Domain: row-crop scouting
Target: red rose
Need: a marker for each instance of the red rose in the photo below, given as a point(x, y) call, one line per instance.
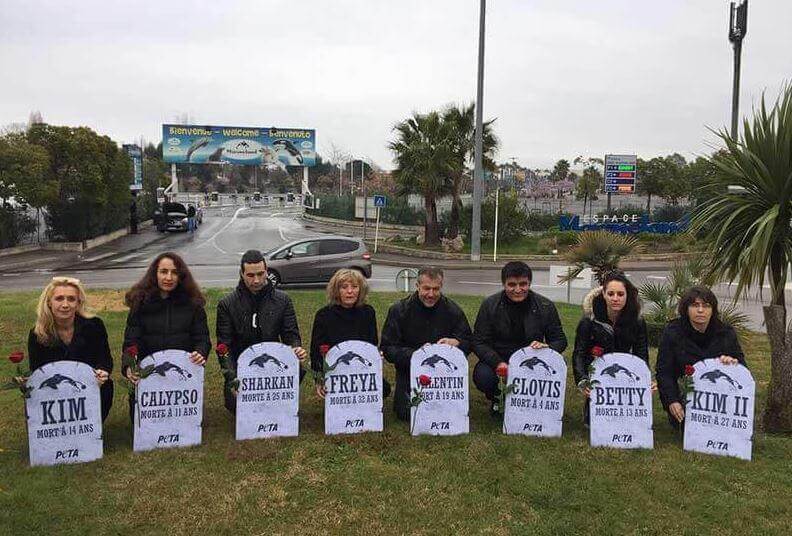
point(689, 370)
point(597, 351)
point(502, 370)
point(222, 349)
point(16, 357)
point(424, 380)
point(323, 349)
point(132, 350)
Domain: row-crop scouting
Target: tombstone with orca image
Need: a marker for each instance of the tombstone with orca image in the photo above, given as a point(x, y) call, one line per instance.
point(268, 398)
point(64, 414)
point(621, 403)
point(719, 413)
point(169, 402)
point(446, 403)
point(353, 386)
point(534, 405)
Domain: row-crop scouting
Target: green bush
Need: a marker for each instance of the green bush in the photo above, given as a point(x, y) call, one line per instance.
point(654, 331)
point(15, 225)
point(670, 212)
point(540, 221)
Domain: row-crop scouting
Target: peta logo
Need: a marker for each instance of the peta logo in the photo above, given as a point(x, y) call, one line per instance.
point(163, 368)
point(354, 423)
point(442, 425)
point(350, 357)
point(434, 360)
point(714, 375)
point(269, 427)
point(532, 362)
point(168, 439)
point(55, 381)
point(263, 359)
point(615, 369)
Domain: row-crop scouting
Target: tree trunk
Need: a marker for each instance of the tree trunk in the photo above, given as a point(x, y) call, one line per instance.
point(648, 204)
point(778, 411)
point(431, 235)
point(456, 203)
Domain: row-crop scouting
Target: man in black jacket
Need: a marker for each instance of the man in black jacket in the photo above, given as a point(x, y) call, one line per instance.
point(255, 312)
point(424, 317)
point(509, 320)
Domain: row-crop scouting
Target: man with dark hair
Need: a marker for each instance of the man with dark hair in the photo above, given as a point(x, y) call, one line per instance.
point(509, 320)
point(255, 312)
point(424, 317)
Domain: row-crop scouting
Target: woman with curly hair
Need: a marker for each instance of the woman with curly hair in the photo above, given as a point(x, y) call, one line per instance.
point(166, 312)
point(612, 322)
point(66, 330)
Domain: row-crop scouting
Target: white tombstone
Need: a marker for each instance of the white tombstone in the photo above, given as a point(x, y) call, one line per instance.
point(719, 414)
point(268, 399)
point(535, 403)
point(353, 400)
point(64, 415)
point(445, 406)
point(169, 402)
point(621, 403)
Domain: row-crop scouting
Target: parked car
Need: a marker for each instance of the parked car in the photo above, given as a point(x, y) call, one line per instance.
point(315, 260)
point(173, 217)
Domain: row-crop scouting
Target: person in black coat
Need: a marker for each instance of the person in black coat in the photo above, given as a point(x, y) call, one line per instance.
point(166, 312)
point(424, 317)
point(612, 322)
point(65, 330)
point(698, 333)
point(255, 312)
point(509, 320)
point(347, 317)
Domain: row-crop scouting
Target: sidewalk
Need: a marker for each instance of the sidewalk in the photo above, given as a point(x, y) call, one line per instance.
point(44, 260)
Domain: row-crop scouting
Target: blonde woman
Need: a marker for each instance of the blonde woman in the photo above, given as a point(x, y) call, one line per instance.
point(65, 330)
point(346, 317)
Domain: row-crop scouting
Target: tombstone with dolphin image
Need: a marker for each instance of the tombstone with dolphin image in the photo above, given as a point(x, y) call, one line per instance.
point(353, 386)
point(169, 402)
point(64, 414)
point(621, 402)
point(534, 403)
point(268, 398)
point(446, 403)
point(719, 413)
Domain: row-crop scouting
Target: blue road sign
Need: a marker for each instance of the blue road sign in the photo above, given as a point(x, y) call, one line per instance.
point(380, 201)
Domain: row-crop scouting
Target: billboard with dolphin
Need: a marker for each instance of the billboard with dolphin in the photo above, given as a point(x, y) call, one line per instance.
point(168, 402)
point(281, 147)
point(64, 417)
point(268, 401)
point(719, 414)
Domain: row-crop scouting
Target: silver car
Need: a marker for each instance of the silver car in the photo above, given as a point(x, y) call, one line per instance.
point(315, 260)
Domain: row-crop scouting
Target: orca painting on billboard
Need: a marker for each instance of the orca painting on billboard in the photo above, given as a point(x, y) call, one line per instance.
point(169, 402)
point(535, 403)
point(719, 414)
point(268, 400)
point(64, 415)
point(621, 403)
point(353, 389)
point(445, 406)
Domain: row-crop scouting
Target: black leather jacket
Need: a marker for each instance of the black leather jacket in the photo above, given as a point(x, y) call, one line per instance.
point(240, 324)
point(492, 329)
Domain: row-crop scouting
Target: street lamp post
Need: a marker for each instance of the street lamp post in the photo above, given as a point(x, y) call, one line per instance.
point(478, 172)
point(738, 27)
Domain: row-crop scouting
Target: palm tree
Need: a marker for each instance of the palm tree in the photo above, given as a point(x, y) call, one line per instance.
point(462, 124)
point(601, 250)
point(748, 233)
point(425, 158)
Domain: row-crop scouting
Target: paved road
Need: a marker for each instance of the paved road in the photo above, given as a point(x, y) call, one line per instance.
point(213, 254)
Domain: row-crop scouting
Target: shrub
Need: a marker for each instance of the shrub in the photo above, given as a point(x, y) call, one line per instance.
point(15, 225)
point(670, 213)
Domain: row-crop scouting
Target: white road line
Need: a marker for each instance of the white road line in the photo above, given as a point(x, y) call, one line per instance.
point(482, 283)
point(233, 218)
point(660, 277)
point(280, 232)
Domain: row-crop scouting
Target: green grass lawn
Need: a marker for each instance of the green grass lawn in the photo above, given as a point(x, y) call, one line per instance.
point(382, 483)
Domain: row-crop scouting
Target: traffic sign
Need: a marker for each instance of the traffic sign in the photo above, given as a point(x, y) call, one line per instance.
point(380, 201)
point(620, 173)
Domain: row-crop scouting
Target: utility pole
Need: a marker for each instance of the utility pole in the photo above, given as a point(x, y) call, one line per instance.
point(478, 171)
point(738, 27)
point(365, 199)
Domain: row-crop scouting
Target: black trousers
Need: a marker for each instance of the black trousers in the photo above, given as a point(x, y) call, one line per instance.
point(486, 381)
point(106, 398)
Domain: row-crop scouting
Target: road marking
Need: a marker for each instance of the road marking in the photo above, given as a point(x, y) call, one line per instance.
point(280, 231)
point(212, 239)
point(482, 283)
point(660, 277)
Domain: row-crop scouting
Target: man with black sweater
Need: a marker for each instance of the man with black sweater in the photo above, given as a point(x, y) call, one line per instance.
point(509, 320)
point(424, 317)
point(255, 312)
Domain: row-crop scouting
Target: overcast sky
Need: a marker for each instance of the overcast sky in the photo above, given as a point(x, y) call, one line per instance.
point(562, 77)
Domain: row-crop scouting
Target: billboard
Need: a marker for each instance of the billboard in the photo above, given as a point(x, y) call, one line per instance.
point(193, 144)
point(136, 154)
point(620, 171)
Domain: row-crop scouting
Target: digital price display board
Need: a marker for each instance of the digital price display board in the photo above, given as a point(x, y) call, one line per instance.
point(620, 173)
